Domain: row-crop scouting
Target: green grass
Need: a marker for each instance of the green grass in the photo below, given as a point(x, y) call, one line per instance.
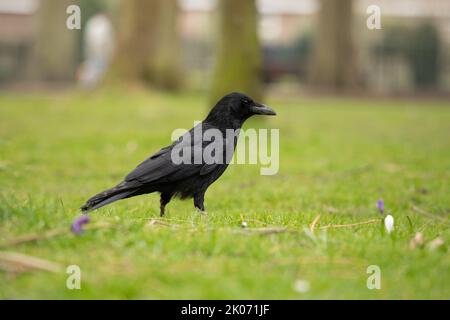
point(338, 156)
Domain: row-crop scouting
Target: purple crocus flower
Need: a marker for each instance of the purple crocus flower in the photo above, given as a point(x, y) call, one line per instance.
point(77, 225)
point(380, 206)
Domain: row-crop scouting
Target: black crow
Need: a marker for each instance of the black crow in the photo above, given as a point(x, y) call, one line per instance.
point(187, 179)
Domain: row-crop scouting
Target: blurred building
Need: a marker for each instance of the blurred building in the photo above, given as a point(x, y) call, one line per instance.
point(287, 30)
point(287, 33)
point(17, 32)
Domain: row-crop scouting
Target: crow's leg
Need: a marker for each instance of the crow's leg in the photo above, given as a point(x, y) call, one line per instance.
point(198, 202)
point(165, 199)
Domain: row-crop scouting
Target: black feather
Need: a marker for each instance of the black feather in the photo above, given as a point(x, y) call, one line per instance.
point(158, 173)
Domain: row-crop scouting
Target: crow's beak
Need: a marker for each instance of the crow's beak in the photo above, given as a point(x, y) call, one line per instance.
point(262, 109)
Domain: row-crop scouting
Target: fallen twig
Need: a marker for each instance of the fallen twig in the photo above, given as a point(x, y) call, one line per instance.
point(350, 225)
point(161, 223)
point(313, 224)
point(18, 262)
point(49, 234)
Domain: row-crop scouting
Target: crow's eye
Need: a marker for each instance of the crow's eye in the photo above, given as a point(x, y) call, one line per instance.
point(246, 101)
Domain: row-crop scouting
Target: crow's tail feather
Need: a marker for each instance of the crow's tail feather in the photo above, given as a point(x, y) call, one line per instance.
point(121, 191)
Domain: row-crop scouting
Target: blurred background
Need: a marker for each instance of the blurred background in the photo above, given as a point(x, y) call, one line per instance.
point(286, 47)
point(363, 114)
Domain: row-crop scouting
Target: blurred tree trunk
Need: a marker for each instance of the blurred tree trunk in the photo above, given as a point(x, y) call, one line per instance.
point(55, 51)
point(238, 57)
point(147, 49)
point(333, 61)
point(166, 63)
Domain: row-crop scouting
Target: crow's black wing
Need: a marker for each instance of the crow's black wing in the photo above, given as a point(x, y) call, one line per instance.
point(159, 168)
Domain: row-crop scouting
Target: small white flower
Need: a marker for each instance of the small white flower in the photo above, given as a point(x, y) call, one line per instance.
point(301, 286)
point(244, 224)
point(389, 223)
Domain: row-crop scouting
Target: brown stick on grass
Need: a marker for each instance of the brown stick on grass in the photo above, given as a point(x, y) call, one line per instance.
point(350, 224)
point(313, 224)
point(48, 235)
point(18, 262)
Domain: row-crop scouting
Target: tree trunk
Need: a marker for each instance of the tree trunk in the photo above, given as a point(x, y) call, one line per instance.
point(55, 49)
point(165, 66)
point(147, 49)
point(238, 58)
point(333, 61)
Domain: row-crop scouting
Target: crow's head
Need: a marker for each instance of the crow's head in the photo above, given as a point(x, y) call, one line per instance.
point(237, 107)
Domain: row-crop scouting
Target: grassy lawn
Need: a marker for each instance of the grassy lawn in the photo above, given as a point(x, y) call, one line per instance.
point(338, 156)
